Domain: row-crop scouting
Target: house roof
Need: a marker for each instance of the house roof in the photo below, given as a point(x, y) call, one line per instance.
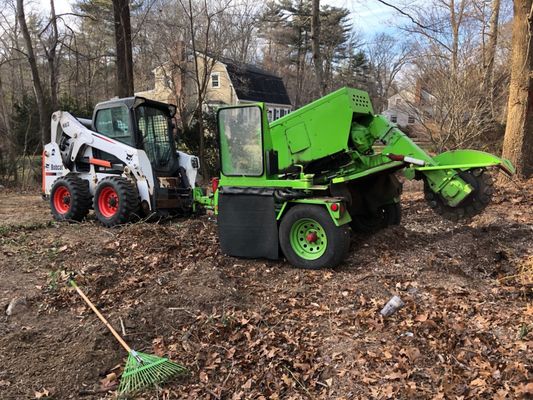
point(254, 84)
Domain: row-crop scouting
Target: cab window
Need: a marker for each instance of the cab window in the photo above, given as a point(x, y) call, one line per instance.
point(114, 123)
point(241, 141)
point(155, 129)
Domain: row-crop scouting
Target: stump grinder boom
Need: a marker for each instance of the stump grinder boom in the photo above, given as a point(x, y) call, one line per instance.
point(298, 184)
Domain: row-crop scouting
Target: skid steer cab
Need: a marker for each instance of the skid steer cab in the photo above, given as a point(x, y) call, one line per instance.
point(123, 164)
point(304, 182)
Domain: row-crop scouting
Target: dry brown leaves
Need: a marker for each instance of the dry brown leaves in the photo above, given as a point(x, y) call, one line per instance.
point(263, 330)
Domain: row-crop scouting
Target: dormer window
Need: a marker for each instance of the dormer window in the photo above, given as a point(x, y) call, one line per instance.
point(215, 80)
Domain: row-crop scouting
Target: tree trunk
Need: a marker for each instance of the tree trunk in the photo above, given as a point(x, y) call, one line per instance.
point(298, 76)
point(124, 61)
point(44, 120)
point(53, 60)
point(488, 79)
point(518, 141)
point(456, 20)
point(200, 80)
point(315, 45)
point(7, 145)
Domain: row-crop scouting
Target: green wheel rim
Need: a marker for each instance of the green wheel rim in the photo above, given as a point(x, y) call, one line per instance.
point(308, 239)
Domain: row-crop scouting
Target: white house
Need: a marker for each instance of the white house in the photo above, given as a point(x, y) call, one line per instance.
point(408, 108)
point(230, 83)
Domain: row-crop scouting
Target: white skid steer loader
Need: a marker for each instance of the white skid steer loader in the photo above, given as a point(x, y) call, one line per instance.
point(122, 163)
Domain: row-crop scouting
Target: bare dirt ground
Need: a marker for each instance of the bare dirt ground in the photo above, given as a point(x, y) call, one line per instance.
point(264, 330)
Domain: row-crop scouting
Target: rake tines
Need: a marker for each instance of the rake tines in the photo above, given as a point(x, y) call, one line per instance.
point(144, 370)
point(141, 370)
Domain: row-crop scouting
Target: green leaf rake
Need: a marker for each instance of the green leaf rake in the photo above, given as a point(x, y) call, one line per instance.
point(141, 370)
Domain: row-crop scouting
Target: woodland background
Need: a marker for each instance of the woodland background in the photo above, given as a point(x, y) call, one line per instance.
point(259, 328)
point(459, 51)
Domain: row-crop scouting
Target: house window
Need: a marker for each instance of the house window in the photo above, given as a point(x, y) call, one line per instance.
point(215, 80)
point(393, 119)
point(276, 115)
point(411, 119)
point(269, 115)
point(282, 112)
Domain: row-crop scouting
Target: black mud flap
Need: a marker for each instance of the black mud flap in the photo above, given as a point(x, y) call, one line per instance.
point(247, 225)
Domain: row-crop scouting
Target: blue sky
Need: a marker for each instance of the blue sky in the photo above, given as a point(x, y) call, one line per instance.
point(369, 17)
point(62, 6)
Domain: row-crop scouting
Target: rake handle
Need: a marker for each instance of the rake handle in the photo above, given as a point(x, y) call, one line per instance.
point(99, 315)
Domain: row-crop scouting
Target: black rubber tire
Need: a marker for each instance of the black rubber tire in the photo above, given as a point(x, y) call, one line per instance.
point(128, 201)
point(338, 237)
point(79, 198)
point(473, 205)
point(388, 214)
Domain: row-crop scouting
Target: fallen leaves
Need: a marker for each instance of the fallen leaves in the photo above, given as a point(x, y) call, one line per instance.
point(478, 382)
point(263, 330)
point(412, 353)
point(525, 389)
point(110, 382)
point(421, 318)
point(42, 394)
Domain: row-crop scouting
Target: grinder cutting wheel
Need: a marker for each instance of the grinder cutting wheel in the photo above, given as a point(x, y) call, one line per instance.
point(482, 189)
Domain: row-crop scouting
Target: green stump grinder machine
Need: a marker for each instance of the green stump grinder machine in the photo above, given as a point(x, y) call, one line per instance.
point(296, 186)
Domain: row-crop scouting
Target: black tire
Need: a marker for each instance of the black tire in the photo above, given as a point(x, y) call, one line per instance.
point(388, 214)
point(471, 206)
point(70, 198)
point(116, 201)
point(338, 237)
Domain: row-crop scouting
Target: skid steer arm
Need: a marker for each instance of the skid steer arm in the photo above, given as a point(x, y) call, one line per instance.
point(70, 140)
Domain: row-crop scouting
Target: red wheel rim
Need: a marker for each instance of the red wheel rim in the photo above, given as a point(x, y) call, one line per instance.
point(108, 202)
point(62, 200)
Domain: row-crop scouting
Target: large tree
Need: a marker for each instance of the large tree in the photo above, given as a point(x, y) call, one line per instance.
point(518, 142)
point(124, 62)
point(305, 50)
point(42, 109)
point(490, 53)
point(315, 45)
